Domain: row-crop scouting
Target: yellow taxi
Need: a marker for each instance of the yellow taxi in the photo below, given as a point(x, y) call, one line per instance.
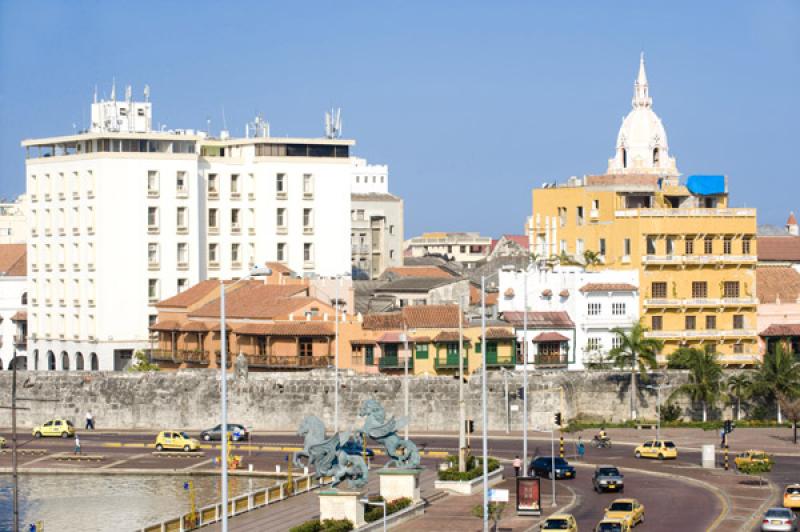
point(791, 496)
point(660, 449)
point(55, 427)
point(752, 456)
point(560, 522)
point(629, 510)
point(175, 440)
point(612, 525)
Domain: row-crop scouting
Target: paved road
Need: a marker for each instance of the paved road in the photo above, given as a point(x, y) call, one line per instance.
point(661, 496)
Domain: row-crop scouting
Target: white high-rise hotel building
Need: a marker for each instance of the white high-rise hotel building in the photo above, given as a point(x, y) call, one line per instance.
point(122, 216)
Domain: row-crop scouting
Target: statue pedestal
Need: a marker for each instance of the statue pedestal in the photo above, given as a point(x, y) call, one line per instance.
point(336, 504)
point(398, 483)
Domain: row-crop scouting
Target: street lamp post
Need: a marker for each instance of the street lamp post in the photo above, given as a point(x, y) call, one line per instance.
point(525, 368)
point(405, 379)
point(336, 361)
point(657, 388)
point(256, 272)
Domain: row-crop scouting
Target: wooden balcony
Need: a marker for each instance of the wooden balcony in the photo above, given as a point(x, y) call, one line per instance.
point(179, 356)
point(551, 361)
point(448, 362)
point(493, 360)
point(395, 362)
point(289, 362)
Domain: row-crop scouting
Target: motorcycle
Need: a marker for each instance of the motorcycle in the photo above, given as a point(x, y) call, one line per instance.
point(601, 443)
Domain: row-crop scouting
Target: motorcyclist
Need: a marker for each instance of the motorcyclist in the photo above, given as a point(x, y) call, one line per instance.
point(602, 436)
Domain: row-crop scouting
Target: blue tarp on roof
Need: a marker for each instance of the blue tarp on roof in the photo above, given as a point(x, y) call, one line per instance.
point(706, 185)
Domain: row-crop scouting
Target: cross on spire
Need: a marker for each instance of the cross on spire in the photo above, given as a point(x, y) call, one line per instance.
point(641, 94)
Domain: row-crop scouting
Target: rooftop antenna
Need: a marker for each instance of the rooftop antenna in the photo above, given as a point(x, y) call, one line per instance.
point(114, 89)
point(94, 98)
point(333, 123)
point(147, 93)
point(224, 122)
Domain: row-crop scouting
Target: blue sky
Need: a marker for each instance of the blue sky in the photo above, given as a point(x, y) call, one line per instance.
point(470, 104)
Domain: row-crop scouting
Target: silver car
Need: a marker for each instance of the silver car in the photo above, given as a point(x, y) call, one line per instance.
point(779, 520)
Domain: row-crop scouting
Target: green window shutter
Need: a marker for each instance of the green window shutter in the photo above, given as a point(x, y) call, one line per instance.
point(422, 351)
point(477, 347)
point(369, 355)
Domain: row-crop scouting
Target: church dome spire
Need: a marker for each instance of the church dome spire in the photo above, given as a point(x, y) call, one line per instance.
point(641, 95)
point(642, 146)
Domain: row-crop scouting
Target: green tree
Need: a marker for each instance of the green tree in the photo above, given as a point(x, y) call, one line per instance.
point(705, 377)
point(495, 512)
point(755, 468)
point(791, 407)
point(637, 352)
point(142, 363)
point(739, 387)
point(592, 258)
point(778, 375)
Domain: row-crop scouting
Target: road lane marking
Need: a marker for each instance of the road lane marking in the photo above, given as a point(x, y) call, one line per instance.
point(122, 461)
point(40, 459)
point(198, 464)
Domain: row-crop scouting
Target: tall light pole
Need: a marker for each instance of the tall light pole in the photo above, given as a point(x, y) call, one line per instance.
point(462, 407)
point(336, 360)
point(525, 367)
point(405, 376)
point(223, 399)
point(657, 388)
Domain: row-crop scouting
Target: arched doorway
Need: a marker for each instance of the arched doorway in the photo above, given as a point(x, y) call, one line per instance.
point(64, 361)
point(94, 362)
point(36, 359)
point(79, 361)
point(51, 361)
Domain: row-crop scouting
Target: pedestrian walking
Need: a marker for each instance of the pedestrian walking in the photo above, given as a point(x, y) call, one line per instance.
point(722, 437)
point(89, 421)
point(517, 465)
point(77, 445)
point(581, 448)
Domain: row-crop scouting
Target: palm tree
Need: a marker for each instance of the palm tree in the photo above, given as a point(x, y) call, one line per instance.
point(778, 375)
point(637, 352)
point(739, 386)
point(705, 377)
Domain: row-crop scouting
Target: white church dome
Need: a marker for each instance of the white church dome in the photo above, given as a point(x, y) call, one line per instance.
point(642, 146)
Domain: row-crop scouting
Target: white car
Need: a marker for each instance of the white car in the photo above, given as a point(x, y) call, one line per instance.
point(779, 520)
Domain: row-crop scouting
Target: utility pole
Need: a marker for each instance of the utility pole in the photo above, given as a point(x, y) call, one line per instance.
point(14, 474)
point(462, 407)
point(405, 375)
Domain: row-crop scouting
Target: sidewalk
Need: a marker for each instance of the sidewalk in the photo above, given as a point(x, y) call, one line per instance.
point(454, 512)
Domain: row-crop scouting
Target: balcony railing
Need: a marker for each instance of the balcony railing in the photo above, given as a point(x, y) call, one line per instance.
point(686, 213)
point(181, 355)
point(290, 362)
point(448, 362)
point(702, 333)
point(701, 302)
point(552, 361)
point(697, 259)
point(20, 341)
point(395, 362)
point(500, 361)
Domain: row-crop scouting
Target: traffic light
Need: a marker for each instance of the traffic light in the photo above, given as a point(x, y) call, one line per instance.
point(728, 426)
point(557, 418)
point(521, 393)
point(470, 426)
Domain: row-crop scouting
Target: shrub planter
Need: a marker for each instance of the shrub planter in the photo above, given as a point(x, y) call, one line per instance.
point(469, 487)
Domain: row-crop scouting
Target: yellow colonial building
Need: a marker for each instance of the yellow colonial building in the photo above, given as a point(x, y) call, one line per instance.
point(695, 254)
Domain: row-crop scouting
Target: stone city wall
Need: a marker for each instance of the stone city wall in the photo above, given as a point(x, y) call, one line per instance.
point(189, 399)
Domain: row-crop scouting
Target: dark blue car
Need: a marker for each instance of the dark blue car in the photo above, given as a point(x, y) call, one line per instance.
point(542, 467)
point(355, 448)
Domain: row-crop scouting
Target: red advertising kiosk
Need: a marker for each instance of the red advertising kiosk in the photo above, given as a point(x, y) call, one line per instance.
point(529, 496)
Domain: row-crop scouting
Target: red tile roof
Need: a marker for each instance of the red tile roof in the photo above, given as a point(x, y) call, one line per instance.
point(383, 321)
point(500, 334)
point(418, 271)
point(391, 338)
point(783, 329)
point(21, 315)
point(167, 325)
point(775, 284)
point(779, 248)
point(540, 320)
point(550, 337)
point(792, 220)
point(431, 316)
point(198, 326)
point(608, 287)
point(447, 336)
point(256, 300)
point(13, 260)
point(190, 295)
